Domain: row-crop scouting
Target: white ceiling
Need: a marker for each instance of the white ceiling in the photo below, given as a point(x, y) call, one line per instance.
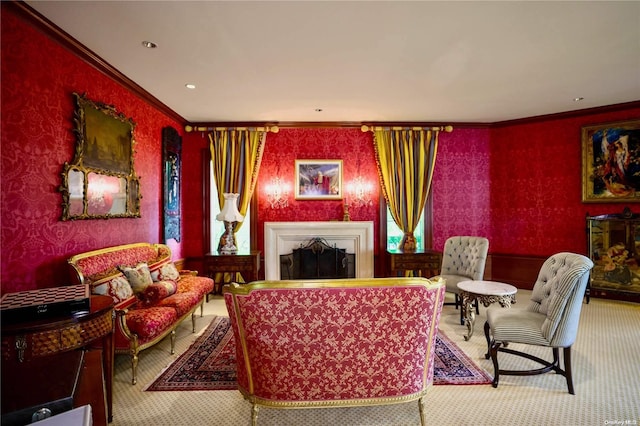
point(426, 61)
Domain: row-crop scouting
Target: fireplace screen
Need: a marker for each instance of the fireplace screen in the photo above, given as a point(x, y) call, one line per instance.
point(316, 260)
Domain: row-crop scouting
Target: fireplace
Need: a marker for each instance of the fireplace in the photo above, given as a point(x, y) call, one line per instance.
point(317, 260)
point(281, 238)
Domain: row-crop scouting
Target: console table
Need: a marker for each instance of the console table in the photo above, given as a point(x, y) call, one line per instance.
point(425, 262)
point(28, 340)
point(245, 263)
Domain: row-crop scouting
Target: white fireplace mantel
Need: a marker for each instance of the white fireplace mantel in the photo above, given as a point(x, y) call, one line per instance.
point(282, 237)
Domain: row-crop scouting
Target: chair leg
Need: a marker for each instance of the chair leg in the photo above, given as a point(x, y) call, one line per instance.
point(423, 413)
point(488, 337)
point(567, 369)
point(494, 357)
point(494, 348)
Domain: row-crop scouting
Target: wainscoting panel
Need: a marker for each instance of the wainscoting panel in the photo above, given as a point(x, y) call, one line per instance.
point(517, 270)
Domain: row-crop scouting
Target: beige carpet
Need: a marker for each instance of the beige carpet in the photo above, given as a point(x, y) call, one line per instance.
point(606, 360)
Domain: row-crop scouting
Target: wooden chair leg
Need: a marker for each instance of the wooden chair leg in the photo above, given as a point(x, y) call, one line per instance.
point(567, 369)
point(494, 357)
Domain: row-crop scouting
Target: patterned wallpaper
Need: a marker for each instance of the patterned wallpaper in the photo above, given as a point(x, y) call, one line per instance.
point(352, 146)
point(536, 186)
point(38, 78)
point(460, 182)
point(519, 185)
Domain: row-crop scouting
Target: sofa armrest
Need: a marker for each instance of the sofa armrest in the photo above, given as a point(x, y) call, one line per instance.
point(188, 272)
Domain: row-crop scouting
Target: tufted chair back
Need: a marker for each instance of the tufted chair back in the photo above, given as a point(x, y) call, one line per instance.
point(463, 258)
point(558, 294)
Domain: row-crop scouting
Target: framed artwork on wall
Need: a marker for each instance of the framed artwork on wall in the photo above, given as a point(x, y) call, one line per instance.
point(100, 182)
point(611, 162)
point(318, 179)
point(171, 171)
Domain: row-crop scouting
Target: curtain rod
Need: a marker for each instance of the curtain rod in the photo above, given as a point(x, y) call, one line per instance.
point(447, 129)
point(272, 129)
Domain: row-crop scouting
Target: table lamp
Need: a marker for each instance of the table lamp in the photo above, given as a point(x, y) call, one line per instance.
point(229, 215)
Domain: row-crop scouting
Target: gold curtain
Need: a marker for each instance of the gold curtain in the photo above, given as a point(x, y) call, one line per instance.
point(405, 159)
point(236, 155)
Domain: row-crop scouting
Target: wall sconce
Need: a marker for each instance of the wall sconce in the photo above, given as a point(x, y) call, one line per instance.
point(359, 191)
point(277, 194)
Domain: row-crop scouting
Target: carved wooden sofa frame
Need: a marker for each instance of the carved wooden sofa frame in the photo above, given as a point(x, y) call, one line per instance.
point(139, 324)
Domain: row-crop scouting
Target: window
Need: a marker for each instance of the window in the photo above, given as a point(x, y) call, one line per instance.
point(243, 236)
point(394, 234)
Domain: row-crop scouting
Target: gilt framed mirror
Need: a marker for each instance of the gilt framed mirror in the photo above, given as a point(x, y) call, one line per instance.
point(100, 182)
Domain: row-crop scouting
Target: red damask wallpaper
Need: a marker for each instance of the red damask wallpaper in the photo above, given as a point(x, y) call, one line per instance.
point(518, 185)
point(38, 78)
point(536, 186)
point(460, 182)
point(352, 146)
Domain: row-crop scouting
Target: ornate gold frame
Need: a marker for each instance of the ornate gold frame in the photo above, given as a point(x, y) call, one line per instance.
point(611, 162)
point(100, 182)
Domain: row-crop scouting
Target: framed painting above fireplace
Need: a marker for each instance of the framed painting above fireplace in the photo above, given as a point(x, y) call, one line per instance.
point(318, 179)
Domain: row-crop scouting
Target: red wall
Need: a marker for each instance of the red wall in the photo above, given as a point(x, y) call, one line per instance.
point(38, 78)
point(536, 189)
point(461, 185)
point(518, 185)
point(280, 152)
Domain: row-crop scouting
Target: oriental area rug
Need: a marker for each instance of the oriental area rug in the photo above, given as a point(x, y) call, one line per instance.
point(209, 363)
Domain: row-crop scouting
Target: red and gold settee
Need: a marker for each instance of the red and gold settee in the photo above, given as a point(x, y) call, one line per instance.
point(151, 296)
point(335, 342)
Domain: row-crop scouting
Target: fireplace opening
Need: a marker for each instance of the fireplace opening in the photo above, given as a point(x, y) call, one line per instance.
point(316, 260)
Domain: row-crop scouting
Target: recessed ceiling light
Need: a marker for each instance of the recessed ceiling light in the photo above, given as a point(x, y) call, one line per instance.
point(149, 44)
point(578, 99)
point(190, 86)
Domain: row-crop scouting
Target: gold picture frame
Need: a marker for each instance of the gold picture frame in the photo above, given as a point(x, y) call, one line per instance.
point(611, 162)
point(100, 182)
point(318, 179)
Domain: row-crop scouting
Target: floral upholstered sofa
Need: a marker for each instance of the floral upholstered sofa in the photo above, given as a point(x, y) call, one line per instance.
point(151, 296)
point(335, 342)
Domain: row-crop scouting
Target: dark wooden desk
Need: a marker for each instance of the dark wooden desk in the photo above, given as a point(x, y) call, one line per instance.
point(247, 264)
point(423, 263)
point(29, 340)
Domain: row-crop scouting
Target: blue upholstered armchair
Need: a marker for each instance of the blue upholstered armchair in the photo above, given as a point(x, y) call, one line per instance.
point(551, 318)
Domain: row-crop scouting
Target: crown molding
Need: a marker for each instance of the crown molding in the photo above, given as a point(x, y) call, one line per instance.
point(50, 29)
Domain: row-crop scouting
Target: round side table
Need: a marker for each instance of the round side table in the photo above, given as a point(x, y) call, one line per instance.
point(485, 292)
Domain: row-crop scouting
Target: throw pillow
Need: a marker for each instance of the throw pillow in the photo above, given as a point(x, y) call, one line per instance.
point(139, 277)
point(158, 291)
point(118, 288)
point(168, 271)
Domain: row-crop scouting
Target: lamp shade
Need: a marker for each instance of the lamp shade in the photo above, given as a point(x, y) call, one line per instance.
point(229, 212)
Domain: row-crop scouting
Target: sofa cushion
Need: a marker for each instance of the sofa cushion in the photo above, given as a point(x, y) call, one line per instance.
point(181, 302)
point(199, 285)
point(158, 291)
point(118, 288)
point(148, 323)
point(139, 277)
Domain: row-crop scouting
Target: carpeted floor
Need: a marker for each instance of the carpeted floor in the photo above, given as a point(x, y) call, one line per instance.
point(605, 366)
point(209, 363)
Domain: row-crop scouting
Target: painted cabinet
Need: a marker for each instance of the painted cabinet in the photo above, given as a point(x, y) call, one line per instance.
point(614, 246)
